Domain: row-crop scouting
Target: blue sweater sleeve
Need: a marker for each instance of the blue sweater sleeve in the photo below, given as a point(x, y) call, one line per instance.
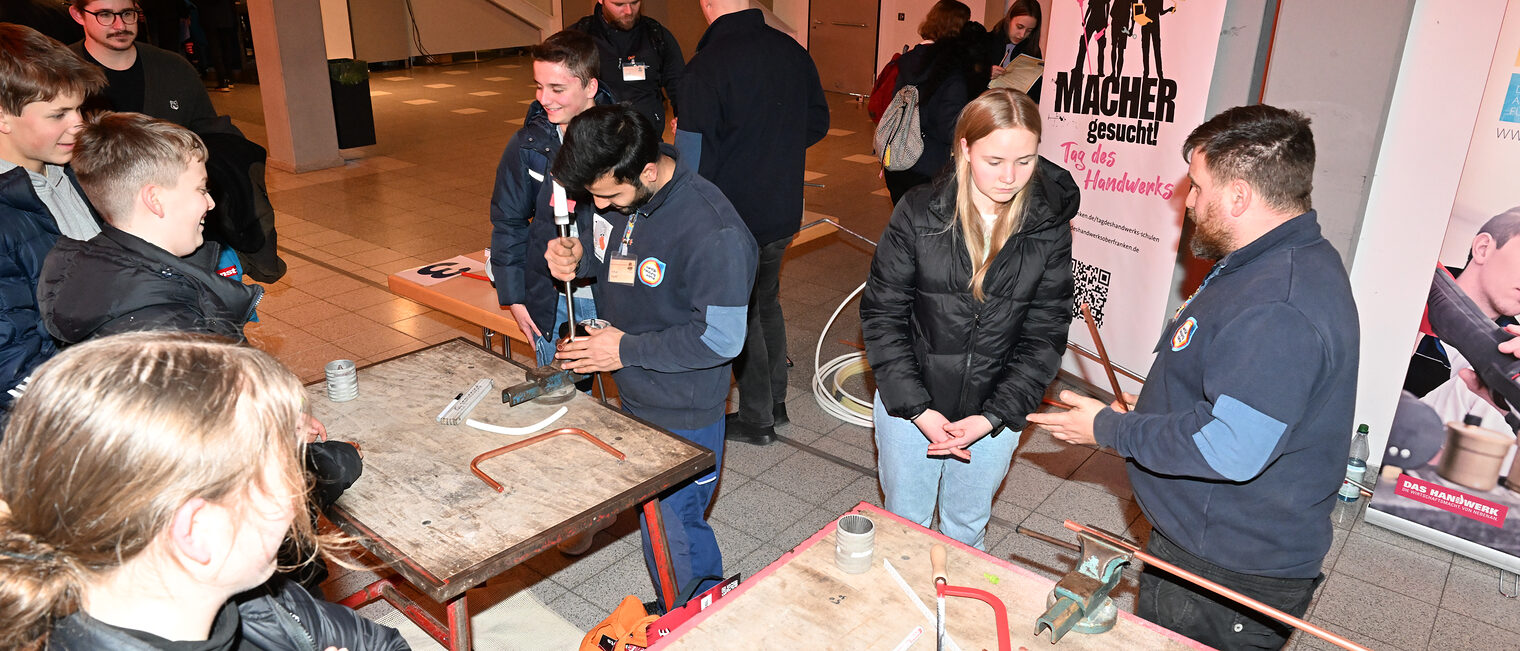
point(720, 279)
point(1260, 370)
point(512, 207)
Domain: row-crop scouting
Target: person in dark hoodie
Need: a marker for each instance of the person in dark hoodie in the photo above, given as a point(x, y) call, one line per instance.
point(948, 70)
point(752, 106)
point(1236, 448)
point(965, 314)
point(565, 72)
point(641, 61)
point(149, 268)
point(674, 264)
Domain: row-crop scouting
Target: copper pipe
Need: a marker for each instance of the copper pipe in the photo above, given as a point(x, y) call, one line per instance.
point(1216, 588)
point(1073, 347)
point(1048, 539)
point(475, 463)
point(1055, 403)
point(1108, 366)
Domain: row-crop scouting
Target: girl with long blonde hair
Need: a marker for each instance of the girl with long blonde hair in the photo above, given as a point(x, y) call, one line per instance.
point(965, 316)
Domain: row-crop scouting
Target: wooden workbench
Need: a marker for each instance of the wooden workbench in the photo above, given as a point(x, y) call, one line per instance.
point(803, 601)
point(420, 509)
point(475, 300)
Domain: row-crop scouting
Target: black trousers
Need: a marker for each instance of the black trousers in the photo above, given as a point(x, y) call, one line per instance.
point(761, 366)
point(1179, 605)
point(899, 183)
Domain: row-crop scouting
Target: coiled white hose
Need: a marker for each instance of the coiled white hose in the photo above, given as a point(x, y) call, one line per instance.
point(829, 378)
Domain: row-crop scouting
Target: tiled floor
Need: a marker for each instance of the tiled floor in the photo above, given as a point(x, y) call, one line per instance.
point(421, 195)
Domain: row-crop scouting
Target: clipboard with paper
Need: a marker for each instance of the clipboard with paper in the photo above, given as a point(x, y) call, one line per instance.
point(1020, 74)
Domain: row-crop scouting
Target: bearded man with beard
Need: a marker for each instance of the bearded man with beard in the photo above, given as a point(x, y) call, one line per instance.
point(1237, 445)
point(673, 264)
point(641, 61)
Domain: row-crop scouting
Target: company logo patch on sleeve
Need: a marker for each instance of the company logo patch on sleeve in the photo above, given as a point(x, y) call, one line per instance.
point(227, 272)
point(1184, 334)
point(652, 272)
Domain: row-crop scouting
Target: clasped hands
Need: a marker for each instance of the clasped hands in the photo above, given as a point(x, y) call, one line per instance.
point(951, 439)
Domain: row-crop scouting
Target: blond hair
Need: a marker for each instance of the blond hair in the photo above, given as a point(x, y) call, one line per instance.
point(111, 438)
point(998, 108)
point(117, 154)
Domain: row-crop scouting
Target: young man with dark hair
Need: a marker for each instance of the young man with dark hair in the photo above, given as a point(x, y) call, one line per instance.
point(42, 85)
point(141, 78)
point(1238, 444)
point(752, 106)
point(673, 264)
point(565, 70)
point(641, 61)
point(162, 84)
point(148, 268)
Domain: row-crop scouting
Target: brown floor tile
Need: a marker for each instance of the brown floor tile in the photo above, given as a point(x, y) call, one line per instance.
point(360, 298)
point(393, 310)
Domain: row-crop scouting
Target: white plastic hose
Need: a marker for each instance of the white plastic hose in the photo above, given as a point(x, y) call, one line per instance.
point(518, 431)
point(829, 378)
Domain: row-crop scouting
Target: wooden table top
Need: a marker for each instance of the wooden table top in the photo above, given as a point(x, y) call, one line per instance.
point(420, 509)
point(471, 299)
point(804, 601)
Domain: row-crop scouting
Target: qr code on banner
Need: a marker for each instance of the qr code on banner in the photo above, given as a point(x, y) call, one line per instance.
point(1091, 288)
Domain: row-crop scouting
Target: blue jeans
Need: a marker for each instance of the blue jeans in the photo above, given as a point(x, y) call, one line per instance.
point(694, 550)
point(543, 346)
point(913, 481)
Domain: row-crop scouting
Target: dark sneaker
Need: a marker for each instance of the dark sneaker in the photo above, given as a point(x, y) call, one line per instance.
point(778, 414)
point(738, 430)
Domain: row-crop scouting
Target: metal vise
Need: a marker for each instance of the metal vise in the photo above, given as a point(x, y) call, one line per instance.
point(547, 384)
point(1080, 601)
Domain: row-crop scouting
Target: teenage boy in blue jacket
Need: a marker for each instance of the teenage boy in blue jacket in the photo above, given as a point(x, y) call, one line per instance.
point(42, 85)
point(674, 264)
point(565, 69)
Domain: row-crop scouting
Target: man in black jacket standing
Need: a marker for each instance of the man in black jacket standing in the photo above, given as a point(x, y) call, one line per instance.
point(641, 60)
point(751, 105)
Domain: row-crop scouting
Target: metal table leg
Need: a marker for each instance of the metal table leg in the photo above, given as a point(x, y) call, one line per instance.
point(663, 566)
point(454, 636)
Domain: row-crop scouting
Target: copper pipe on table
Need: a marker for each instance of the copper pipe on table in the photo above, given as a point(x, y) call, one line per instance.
point(1108, 366)
point(1048, 539)
point(1216, 588)
point(475, 463)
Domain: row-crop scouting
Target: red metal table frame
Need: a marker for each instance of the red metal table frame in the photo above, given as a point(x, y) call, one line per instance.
point(450, 592)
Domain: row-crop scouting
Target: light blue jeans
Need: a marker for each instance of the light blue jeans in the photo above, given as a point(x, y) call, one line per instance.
point(913, 481)
point(543, 348)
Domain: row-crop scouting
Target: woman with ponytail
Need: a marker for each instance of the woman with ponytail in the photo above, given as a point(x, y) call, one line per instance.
point(146, 483)
point(965, 316)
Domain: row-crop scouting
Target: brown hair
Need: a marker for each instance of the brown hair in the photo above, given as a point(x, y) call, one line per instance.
point(35, 68)
point(944, 20)
point(116, 154)
point(111, 438)
point(574, 49)
point(998, 108)
point(1029, 8)
point(1270, 148)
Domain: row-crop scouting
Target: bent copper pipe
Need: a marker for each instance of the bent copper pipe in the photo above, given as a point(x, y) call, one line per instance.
point(475, 463)
point(1108, 365)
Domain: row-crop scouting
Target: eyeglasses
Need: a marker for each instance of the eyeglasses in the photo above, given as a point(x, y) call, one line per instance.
point(108, 18)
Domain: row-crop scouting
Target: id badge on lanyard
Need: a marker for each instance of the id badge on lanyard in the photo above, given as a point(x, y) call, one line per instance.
point(620, 266)
point(633, 69)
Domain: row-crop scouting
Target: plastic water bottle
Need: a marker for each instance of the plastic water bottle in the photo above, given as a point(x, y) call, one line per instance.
point(1356, 466)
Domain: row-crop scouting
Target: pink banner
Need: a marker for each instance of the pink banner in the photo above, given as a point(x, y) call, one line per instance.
point(1452, 501)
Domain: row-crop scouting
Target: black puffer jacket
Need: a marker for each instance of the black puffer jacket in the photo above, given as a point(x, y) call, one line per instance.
point(948, 73)
point(278, 616)
point(931, 345)
point(116, 282)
